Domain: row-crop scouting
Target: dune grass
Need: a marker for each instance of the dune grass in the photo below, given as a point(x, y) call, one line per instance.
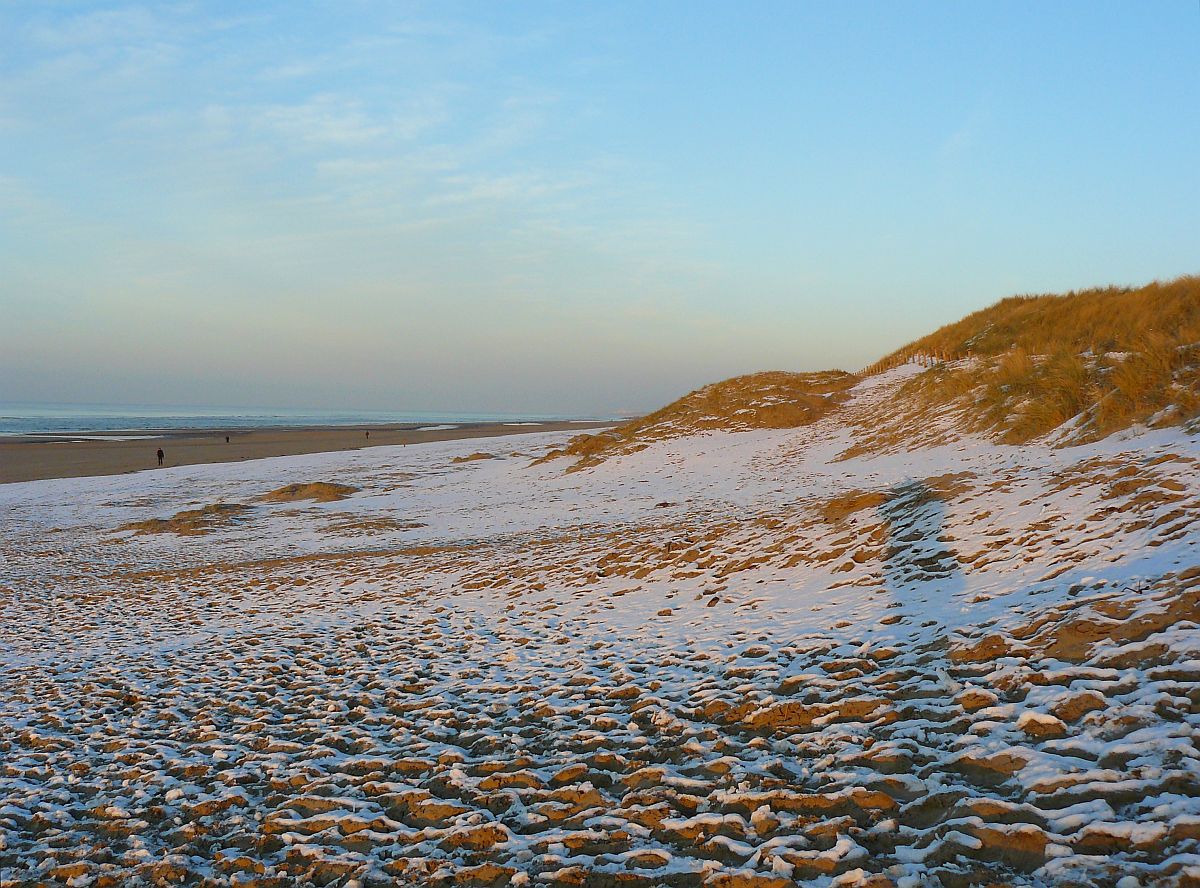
point(1081, 366)
point(1097, 321)
point(1106, 358)
point(769, 400)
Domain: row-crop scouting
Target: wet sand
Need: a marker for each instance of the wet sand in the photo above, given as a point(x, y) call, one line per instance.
point(36, 458)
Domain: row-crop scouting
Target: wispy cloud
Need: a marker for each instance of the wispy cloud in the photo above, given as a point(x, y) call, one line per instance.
point(520, 187)
point(325, 119)
point(230, 177)
point(100, 28)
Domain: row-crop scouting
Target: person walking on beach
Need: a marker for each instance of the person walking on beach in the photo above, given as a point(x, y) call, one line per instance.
point(160, 456)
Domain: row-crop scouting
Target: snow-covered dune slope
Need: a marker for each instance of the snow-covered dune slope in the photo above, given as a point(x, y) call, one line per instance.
point(728, 659)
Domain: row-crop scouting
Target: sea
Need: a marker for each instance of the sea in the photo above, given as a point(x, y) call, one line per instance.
point(142, 421)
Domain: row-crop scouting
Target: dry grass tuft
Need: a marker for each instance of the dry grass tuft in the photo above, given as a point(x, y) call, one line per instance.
point(473, 457)
point(192, 522)
point(320, 491)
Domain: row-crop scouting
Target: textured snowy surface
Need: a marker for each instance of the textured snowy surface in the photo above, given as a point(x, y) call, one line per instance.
point(730, 659)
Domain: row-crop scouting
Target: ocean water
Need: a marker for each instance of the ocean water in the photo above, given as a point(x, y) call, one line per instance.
point(82, 419)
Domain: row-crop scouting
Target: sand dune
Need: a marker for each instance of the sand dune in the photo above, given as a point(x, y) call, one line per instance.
point(727, 659)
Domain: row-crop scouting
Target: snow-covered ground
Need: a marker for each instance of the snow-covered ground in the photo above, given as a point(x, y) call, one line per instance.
point(729, 659)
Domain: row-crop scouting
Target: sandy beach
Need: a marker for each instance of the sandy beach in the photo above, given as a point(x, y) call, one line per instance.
point(714, 658)
point(32, 458)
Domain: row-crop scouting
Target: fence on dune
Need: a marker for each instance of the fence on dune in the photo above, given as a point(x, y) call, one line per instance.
point(922, 357)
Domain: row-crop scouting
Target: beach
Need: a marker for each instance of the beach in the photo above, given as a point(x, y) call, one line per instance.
point(713, 658)
point(33, 458)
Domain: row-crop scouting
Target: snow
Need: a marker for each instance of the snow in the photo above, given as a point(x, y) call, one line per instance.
point(362, 685)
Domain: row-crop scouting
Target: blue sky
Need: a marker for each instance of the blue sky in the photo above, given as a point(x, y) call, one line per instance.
point(562, 207)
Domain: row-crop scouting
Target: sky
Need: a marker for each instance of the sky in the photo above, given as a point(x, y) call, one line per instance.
point(561, 207)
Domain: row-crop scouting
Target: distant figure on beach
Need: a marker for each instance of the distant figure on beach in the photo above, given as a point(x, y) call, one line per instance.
point(160, 456)
point(368, 436)
point(226, 439)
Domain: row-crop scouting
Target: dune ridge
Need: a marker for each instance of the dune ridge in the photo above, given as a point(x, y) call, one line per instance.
point(753, 643)
point(1079, 367)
